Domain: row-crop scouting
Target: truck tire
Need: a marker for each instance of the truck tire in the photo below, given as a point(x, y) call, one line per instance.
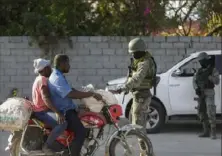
point(158, 113)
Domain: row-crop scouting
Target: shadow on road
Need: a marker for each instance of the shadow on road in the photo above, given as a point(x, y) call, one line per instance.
point(186, 127)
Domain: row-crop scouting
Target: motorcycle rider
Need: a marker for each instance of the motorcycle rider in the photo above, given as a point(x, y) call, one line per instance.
point(204, 82)
point(62, 94)
point(140, 82)
point(43, 107)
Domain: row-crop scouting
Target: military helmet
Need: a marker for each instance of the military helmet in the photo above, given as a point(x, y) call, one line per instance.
point(136, 45)
point(203, 56)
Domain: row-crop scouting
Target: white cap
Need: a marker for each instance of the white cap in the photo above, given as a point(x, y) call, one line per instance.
point(40, 64)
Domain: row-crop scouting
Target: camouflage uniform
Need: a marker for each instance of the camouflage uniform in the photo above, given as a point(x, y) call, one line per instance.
point(139, 82)
point(204, 80)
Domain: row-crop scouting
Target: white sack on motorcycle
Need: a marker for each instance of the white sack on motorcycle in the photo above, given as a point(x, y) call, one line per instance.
point(96, 106)
point(14, 114)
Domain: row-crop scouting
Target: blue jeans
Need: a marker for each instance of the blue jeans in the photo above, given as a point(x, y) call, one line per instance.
point(76, 126)
point(49, 118)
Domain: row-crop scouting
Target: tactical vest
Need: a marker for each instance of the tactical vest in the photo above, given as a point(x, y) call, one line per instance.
point(147, 83)
point(202, 80)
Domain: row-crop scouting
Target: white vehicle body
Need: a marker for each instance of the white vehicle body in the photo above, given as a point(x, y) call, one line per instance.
point(174, 92)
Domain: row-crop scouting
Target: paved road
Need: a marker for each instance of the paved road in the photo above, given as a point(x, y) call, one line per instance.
point(3, 143)
point(183, 141)
point(175, 140)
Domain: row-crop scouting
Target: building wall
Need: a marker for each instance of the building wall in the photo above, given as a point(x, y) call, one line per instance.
point(93, 59)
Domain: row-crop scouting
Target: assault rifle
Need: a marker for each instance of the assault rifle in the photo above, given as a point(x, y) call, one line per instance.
point(130, 68)
point(130, 71)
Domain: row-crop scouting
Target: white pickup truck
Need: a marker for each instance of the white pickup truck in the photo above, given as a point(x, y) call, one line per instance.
point(174, 93)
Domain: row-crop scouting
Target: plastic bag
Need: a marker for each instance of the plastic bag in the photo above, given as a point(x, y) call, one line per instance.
point(93, 104)
point(15, 114)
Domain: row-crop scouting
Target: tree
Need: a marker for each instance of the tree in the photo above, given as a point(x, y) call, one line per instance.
point(124, 17)
point(10, 17)
point(51, 20)
point(68, 17)
point(210, 13)
point(182, 19)
point(194, 18)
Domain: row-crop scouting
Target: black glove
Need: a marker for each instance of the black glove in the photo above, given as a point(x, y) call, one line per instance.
point(198, 91)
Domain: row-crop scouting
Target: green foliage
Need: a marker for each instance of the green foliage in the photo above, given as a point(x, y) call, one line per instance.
point(50, 20)
point(214, 22)
point(68, 17)
point(210, 13)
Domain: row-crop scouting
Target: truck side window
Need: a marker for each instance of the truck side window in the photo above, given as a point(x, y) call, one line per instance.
point(189, 69)
point(218, 63)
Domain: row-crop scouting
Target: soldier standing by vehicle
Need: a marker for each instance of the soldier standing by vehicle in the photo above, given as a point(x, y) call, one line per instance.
point(204, 82)
point(141, 79)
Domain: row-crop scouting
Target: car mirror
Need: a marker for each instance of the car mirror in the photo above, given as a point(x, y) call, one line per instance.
point(189, 71)
point(177, 73)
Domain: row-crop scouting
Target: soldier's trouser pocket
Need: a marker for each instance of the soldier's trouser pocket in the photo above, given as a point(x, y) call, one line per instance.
point(202, 110)
point(140, 108)
point(141, 103)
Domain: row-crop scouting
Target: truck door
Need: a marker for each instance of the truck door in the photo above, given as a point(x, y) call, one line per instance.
point(218, 88)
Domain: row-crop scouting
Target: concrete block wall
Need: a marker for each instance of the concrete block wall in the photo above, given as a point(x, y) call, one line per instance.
point(94, 59)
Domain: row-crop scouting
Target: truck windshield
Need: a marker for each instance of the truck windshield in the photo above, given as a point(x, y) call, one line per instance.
point(173, 64)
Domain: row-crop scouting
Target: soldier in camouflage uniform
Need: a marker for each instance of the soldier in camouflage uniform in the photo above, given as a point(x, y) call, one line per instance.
point(204, 81)
point(140, 81)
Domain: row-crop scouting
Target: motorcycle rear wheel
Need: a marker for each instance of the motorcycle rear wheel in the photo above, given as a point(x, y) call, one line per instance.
point(15, 151)
point(138, 134)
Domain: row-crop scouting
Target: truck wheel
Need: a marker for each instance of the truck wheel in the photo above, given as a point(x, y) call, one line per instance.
point(156, 117)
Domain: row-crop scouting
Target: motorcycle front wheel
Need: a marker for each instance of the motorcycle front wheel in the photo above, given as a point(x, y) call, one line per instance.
point(116, 150)
point(15, 151)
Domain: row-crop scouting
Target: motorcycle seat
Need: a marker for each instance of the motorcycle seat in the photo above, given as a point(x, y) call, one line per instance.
point(81, 114)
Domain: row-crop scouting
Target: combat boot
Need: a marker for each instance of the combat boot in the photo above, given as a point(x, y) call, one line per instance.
point(213, 133)
point(206, 132)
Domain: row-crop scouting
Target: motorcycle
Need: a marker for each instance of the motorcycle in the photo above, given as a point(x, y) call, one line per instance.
point(30, 140)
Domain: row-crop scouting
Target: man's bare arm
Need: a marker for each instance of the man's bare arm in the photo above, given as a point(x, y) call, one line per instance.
point(46, 99)
point(75, 94)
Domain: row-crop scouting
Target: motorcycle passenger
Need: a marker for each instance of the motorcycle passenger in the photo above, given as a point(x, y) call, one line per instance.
point(43, 107)
point(62, 94)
